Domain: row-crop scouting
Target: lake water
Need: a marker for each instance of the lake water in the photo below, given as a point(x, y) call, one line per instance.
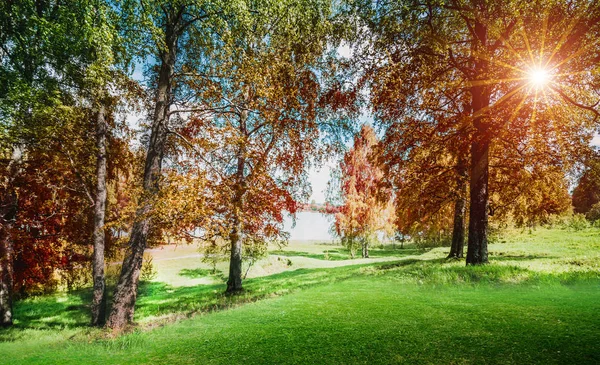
point(310, 226)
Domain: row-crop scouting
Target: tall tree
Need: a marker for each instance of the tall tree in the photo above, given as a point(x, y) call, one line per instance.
point(41, 59)
point(104, 79)
point(262, 123)
point(499, 55)
point(163, 27)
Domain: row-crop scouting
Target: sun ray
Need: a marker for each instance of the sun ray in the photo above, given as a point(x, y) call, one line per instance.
point(533, 113)
point(543, 38)
point(517, 109)
point(563, 38)
point(580, 51)
point(529, 50)
point(583, 72)
point(498, 102)
point(496, 81)
point(507, 96)
point(506, 65)
point(548, 103)
point(515, 53)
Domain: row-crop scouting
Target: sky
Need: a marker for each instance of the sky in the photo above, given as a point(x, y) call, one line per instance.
point(318, 180)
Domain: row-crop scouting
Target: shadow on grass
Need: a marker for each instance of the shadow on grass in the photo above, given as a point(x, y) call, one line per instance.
point(200, 273)
point(501, 256)
point(161, 300)
point(49, 312)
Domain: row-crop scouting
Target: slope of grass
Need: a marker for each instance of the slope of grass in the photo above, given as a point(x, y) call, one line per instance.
point(537, 302)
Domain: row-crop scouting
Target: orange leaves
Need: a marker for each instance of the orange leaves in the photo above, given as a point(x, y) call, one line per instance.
point(365, 211)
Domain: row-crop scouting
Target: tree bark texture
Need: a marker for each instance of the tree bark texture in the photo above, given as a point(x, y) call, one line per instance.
point(98, 306)
point(8, 213)
point(126, 291)
point(477, 252)
point(234, 282)
point(458, 232)
point(6, 258)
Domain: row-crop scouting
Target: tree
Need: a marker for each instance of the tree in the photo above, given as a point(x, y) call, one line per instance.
point(460, 202)
point(367, 210)
point(492, 55)
point(104, 87)
point(262, 123)
point(41, 59)
point(167, 30)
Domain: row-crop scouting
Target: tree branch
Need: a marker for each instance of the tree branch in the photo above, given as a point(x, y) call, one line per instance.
point(582, 106)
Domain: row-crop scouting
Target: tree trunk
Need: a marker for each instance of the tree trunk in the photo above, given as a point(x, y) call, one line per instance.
point(458, 232)
point(98, 306)
point(234, 283)
point(479, 195)
point(126, 291)
point(8, 213)
point(6, 268)
point(478, 218)
point(6, 260)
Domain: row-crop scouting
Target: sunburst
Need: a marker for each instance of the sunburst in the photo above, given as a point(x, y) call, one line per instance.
point(538, 77)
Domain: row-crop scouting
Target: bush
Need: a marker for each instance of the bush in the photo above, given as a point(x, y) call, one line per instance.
point(593, 215)
point(77, 277)
point(577, 222)
point(148, 272)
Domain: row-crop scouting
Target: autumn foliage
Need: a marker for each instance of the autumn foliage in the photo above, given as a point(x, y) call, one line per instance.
point(485, 112)
point(367, 210)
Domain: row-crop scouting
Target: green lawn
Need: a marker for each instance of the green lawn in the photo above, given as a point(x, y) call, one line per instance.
point(537, 302)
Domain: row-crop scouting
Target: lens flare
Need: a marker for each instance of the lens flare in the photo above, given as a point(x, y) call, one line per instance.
point(539, 77)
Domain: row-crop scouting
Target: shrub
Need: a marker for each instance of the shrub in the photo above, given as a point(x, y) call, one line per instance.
point(593, 215)
point(148, 272)
point(577, 222)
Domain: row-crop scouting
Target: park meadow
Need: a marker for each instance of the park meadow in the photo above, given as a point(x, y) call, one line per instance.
point(299, 182)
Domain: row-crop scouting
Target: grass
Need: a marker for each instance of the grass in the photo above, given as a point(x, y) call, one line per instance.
point(537, 302)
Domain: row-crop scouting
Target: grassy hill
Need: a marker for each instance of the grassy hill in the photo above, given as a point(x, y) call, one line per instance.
point(537, 302)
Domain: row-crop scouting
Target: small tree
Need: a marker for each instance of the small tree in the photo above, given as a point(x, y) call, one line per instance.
point(366, 209)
